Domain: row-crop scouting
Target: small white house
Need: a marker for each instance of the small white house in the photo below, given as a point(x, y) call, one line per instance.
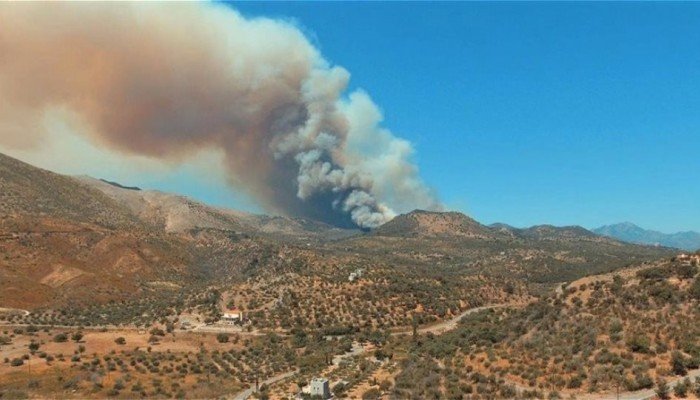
point(232, 316)
point(355, 275)
point(320, 388)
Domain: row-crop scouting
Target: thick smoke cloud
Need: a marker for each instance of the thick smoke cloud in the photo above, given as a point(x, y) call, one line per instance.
point(169, 80)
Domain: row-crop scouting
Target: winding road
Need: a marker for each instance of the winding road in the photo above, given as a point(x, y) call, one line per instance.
point(450, 324)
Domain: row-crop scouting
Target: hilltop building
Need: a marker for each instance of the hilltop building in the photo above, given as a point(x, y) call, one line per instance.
point(689, 259)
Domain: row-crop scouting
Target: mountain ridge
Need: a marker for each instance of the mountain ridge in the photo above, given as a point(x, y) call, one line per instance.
point(433, 223)
point(630, 232)
point(79, 238)
point(175, 213)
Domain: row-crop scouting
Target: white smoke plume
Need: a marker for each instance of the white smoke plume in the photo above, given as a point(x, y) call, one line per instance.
point(169, 80)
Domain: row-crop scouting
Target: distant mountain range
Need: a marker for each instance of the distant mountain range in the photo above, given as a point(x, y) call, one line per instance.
point(630, 232)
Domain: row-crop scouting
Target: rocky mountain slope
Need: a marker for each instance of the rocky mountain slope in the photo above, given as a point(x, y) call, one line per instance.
point(632, 233)
point(64, 242)
point(173, 213)
point(79, 240)
point(65, 239)
point(26, 191)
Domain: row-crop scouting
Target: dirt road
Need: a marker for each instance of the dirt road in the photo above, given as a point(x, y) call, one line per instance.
point(248, 392)
point(203, 328)
point(5, 310)
point(641, 394)
point(450, 324)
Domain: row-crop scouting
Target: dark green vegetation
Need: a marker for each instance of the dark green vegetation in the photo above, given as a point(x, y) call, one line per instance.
point(160, 306)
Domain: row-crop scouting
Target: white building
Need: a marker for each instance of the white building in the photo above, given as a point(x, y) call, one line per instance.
point(355, 275)
point(320, 388)
point(232, 316)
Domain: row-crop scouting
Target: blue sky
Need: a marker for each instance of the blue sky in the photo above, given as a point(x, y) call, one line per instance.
point(524, 113)
point(561, 113)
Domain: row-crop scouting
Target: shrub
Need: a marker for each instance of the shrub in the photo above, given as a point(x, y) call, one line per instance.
point(137, 387)
point(681, 388)
point(222, 337)
point(60, 338)
point(385, 385)
point(662, 389)
point(615, 326)
point(575, 382)
point(379, 354)
point(16, 362)
point(694, 289)
point(655, 273)
point(685, 271)
point(643, 381)
point(338, 389)
point(678, 363)
point(639, 344)
point(372, 394)
point(120, 340)
point(157, 332)
point(71, 383)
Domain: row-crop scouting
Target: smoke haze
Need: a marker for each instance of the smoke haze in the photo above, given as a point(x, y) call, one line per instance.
point(169, 81)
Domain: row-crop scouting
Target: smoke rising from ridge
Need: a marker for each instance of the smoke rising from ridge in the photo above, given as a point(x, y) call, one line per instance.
point(167, 81)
